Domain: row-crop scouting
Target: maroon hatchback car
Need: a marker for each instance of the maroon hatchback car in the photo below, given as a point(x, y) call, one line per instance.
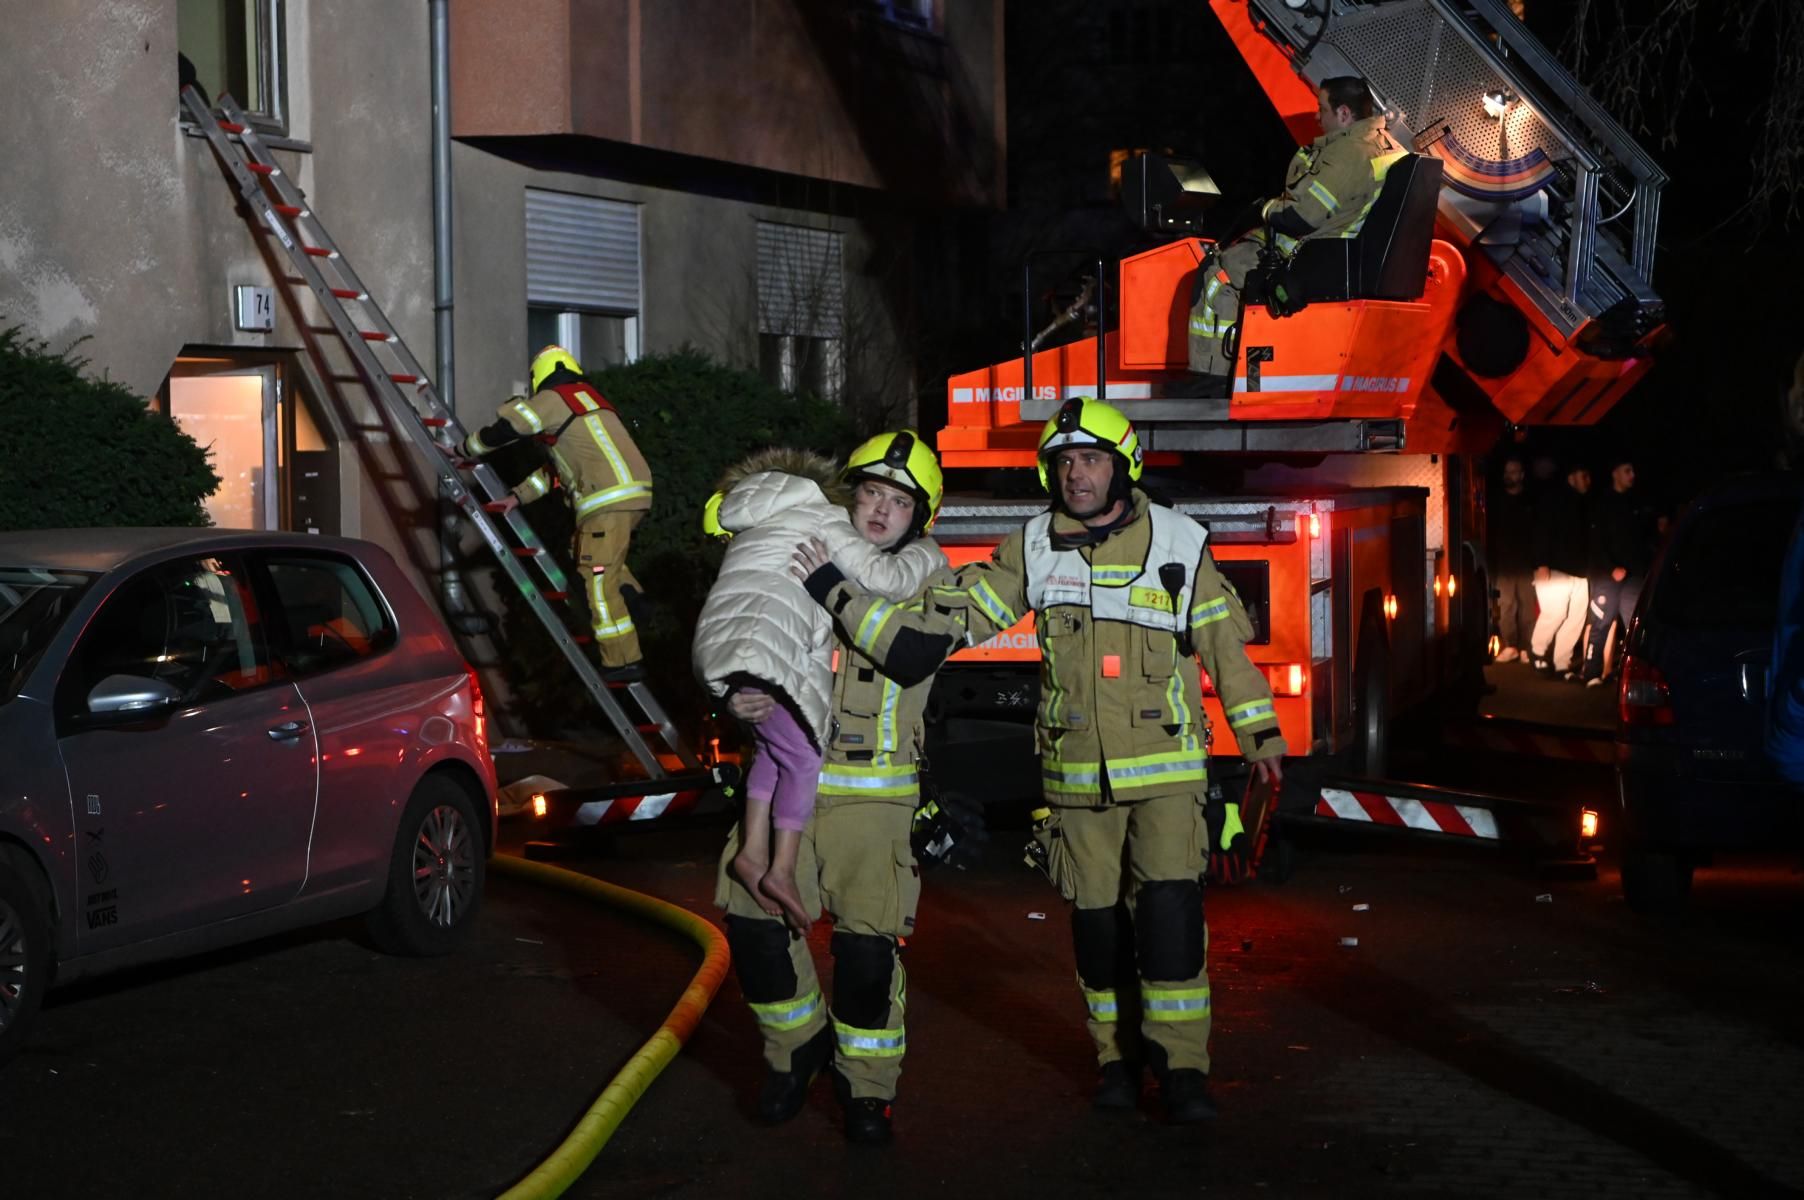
point(209, 736)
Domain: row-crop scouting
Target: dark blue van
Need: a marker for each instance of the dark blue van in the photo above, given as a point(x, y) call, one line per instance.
point(1692, 770)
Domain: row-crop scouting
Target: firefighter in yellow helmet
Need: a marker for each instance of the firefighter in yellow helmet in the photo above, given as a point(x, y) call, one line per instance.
point(1125, 593)
point(1329, 187)
point(605, 480)
point(855, 860)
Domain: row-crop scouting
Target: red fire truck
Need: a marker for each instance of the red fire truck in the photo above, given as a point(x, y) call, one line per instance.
point(1501, 278)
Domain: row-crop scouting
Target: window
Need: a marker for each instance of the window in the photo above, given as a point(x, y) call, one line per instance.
point(1724, 572)
point(801, 308)
point(188, 623)
point(327, 613)
point(582, 276)
point(33, 605)
point(236, 46)
point(1252, 582)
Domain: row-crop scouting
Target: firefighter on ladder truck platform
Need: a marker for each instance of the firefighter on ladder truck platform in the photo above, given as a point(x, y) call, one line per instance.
point(1329, 188)
point(606, 479)
point(1125, 594)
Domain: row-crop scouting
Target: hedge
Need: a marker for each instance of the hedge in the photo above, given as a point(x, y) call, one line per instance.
point(81, 452)
point(692, 418)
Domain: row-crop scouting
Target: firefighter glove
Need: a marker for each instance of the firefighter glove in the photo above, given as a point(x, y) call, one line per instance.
point(947, 830)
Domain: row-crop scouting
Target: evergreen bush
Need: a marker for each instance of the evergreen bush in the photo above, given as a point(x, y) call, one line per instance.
point(692, 418)
point(81, 452)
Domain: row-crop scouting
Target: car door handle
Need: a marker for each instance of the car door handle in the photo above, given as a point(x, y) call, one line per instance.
point(287, 731)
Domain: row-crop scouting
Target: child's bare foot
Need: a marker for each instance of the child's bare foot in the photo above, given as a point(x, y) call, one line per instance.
point(751, 871)
point(781, 887)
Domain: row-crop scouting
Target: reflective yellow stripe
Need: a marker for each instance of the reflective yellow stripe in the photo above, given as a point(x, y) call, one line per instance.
point(1242, 715)
point(613, 495)
point(533, 486)
point(1103, 1006)
point(475, 446)
point(985, 597)
point(1168, 767)
point(604, 625)
point(1082, 779)
point(857, 779)
point(593, 424)
point(524, 411)
point(1209, 611)
point(870, 1043)
point(1323, 194)
point(1174, 1004)
point(1381, 166)
point(886, 718)
point(1114, 576)
point(788, 1014)
point(1054, 695)
point(871, 627)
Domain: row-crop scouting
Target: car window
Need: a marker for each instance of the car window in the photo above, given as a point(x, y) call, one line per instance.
point(191, 623)
point(1723, 572)
point(34, 602)
point(327, 612)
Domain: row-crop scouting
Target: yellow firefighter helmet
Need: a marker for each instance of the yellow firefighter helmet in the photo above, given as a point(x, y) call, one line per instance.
point(550, 359)
point(903, 459)
point(1085, 421)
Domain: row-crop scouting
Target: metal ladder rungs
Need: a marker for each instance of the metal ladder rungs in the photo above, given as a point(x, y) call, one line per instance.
point(425, 422)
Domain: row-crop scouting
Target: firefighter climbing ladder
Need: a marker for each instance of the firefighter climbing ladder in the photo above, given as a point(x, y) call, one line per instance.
point(434, 430)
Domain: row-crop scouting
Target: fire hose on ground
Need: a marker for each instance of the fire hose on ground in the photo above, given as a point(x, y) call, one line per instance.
point(572, 1157)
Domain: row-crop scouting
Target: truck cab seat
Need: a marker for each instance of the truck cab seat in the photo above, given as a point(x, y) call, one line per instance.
point(1388, 258)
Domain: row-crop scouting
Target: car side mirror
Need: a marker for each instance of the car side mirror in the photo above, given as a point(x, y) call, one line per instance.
point(131, 695)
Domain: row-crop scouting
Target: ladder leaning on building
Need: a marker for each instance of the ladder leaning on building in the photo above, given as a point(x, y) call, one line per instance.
point(399, 388)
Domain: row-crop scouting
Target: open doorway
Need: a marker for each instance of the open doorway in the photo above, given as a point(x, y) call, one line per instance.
point(276, 467)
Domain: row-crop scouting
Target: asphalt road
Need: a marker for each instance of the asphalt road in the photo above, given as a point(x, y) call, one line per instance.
point(1493, 1033)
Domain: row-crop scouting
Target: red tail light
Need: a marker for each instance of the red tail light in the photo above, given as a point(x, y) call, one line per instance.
point(1644, 698)
point(477, 709)
point(1286, 679)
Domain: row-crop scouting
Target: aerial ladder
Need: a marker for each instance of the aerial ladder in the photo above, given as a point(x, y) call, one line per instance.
point(1503, 277)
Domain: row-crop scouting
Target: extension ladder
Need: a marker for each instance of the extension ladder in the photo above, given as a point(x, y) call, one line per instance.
point(435, 432)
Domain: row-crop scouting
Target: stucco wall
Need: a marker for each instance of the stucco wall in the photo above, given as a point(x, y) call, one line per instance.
point(699, 256)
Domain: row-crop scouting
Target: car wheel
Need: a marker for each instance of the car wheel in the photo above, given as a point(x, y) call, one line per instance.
point(435, 874)
point(25, 933)
point(1655, 880)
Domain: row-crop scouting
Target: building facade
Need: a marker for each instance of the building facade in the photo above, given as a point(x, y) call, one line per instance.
point(753, 179)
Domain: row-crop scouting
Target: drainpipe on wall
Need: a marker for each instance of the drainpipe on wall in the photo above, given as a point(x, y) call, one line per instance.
point(451, 584)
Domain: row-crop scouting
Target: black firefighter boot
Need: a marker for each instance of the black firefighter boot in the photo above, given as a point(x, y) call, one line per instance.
point(1186, 1093)
point(785, 1092)
point(867, 1117)
point(1118, 1086)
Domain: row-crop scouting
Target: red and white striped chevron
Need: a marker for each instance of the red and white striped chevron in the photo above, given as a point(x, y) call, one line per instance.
point(635, 808)
point(1430, 816)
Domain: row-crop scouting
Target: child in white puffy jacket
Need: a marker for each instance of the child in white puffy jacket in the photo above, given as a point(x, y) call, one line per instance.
point(760, 631)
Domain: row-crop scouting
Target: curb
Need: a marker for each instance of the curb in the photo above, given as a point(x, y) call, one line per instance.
point(563, 1166)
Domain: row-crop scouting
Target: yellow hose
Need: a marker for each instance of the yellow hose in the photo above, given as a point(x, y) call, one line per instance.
point(572, 1157)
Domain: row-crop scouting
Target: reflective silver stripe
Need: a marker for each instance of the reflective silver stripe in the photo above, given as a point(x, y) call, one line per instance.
point(1246, 714)
point(870, 1043)
point(1189, 764)
point(1210, 611)
point(1291, 383)
point(985, 597)
point(613, 495)
point(904, 781)
point(788, 1014)
point(1088, 776)
point(1102, 1005)
point(528, 415)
